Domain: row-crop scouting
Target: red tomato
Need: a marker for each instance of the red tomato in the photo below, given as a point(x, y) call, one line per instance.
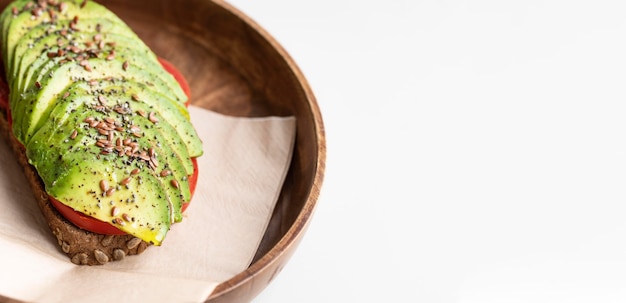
point(84, 221)
point(79, 219)
point(4, 95)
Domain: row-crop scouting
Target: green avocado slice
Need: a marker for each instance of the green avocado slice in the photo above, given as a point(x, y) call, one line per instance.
point(148, 69)
point(30, 15)
point(74, 163)
point(175, 160)
point(37, 98)
point(40, 39)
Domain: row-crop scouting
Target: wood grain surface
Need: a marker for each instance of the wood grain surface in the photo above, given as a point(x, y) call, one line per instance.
point(236, 68)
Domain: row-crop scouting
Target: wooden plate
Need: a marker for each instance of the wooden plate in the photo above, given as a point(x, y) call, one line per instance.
point(236, 68)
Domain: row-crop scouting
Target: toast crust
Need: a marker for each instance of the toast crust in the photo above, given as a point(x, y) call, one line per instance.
point(81, 246)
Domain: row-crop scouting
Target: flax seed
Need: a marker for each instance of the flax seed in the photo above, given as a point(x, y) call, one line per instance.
point(126, 181)
point(111, 55)
point(74, 134)
point(104, 185)
point(152, 117)
point(114, 211)
point(125, 65)
point(36, 12)
point(174, 183)
point(52, 14)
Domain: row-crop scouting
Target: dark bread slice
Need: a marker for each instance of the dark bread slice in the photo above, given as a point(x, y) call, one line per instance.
point(81, 246)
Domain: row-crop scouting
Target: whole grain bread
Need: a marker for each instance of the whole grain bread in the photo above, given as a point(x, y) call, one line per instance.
point(81, 246)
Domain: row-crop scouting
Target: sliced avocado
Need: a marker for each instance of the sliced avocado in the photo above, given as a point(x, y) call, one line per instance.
point(175, 163)
point(117, 38)
point(31, 15)
point(40, 39)
point(6, 18)
point(141, 59)
point(184, 135)
point(167, 110)
point(77, 164)
point(37, 98)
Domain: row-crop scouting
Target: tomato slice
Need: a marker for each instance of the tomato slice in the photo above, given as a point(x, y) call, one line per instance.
point(83, 221)
point(4, 95)
point(86, 222)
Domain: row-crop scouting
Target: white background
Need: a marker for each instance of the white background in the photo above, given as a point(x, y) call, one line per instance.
point(476, 150)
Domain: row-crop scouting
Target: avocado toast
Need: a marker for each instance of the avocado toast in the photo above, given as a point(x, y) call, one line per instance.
point(99, 125)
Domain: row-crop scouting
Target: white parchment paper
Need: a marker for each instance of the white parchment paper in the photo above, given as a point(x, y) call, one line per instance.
point(241, 174)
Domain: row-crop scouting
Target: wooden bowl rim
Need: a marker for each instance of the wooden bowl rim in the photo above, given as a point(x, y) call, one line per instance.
point(297, 229)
